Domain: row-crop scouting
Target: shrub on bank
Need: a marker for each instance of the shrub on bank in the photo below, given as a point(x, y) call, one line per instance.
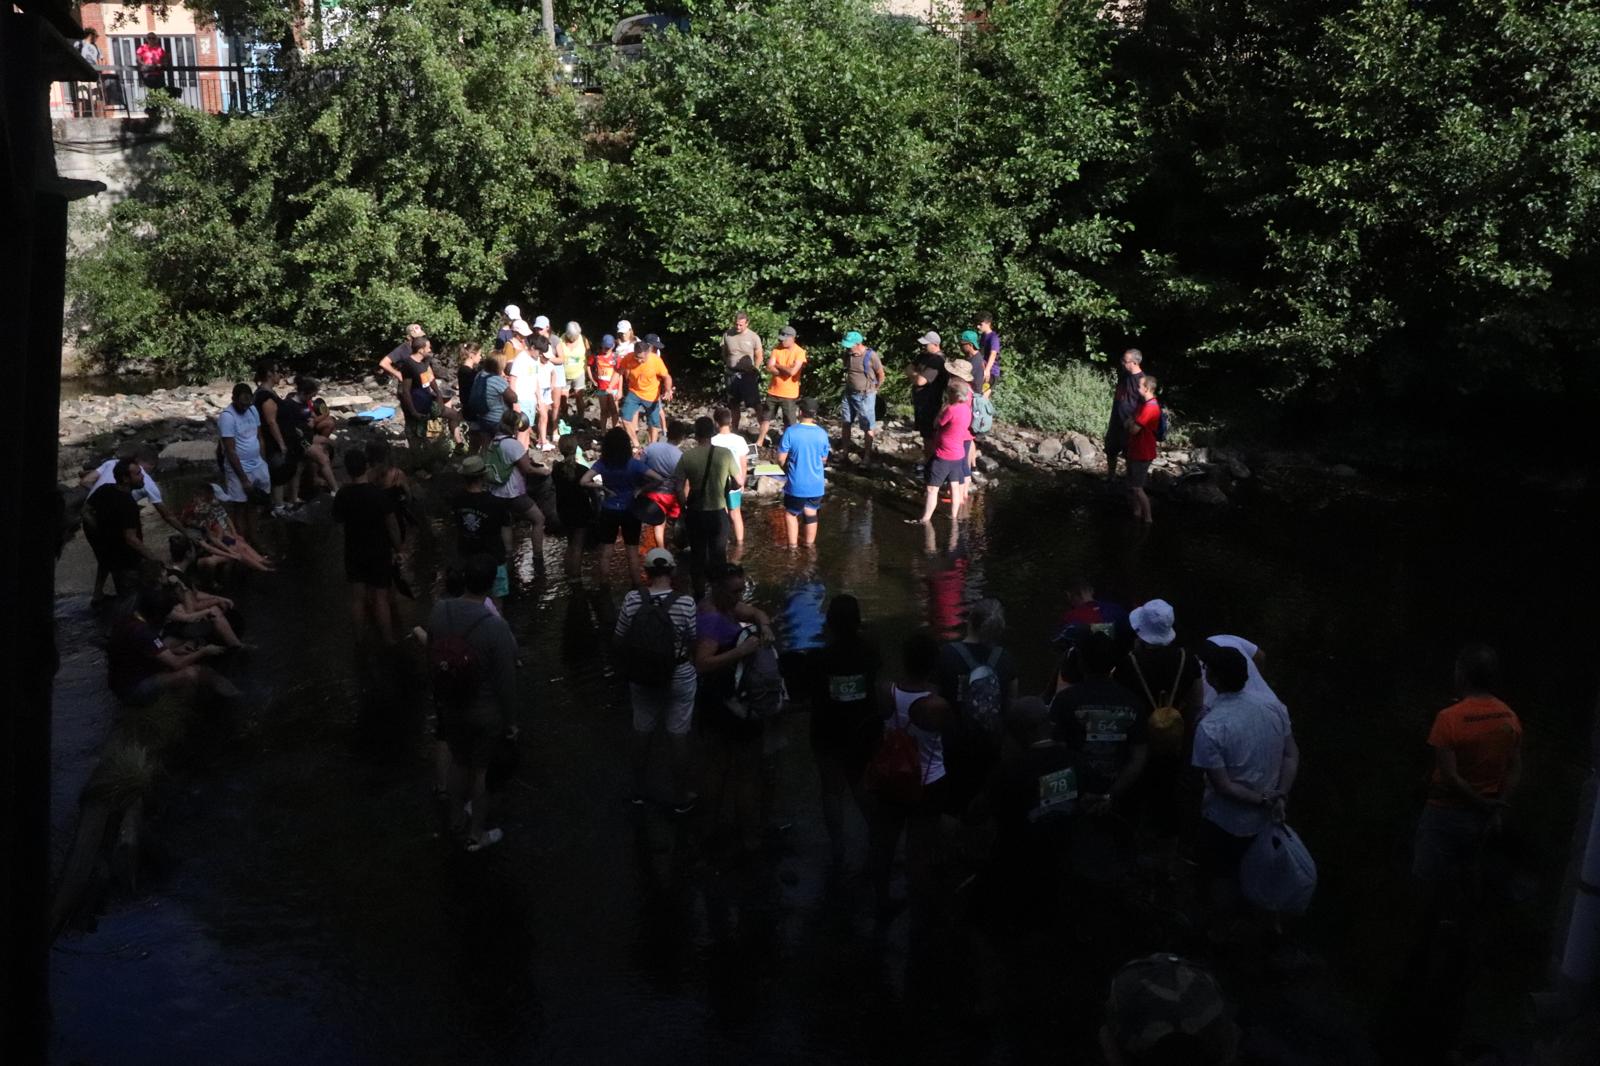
point(1075, 396)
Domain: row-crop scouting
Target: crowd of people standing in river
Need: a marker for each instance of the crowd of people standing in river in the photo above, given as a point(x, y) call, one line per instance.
point(1142, 750)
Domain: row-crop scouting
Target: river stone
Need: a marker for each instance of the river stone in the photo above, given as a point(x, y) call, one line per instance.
point(348, 400)
point(1238, 469)
point(988, 464)
point(1082, 446)
point(1049, 449)
point(1342, 470)
point(188, 451)
point(768, 486)
point(1202, 491)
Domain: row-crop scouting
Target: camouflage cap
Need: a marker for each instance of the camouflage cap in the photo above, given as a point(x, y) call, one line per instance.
point(1154, 997)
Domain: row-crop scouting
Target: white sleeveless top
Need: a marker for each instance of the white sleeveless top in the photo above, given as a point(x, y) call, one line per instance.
point(930, 745)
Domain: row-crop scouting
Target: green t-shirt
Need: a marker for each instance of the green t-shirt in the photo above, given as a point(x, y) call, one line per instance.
point(709, 479)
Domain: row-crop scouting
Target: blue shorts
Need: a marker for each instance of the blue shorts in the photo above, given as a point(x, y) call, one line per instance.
point(735, 499)
point(946, 472)
point(502, 583)
point(798, 505)
point(860, 409)
point(632, 404)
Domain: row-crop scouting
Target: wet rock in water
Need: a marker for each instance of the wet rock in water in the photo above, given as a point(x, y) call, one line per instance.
point(188, 451)
point(1049, 449)
point(1082, 446)
point(1202, 490)
point(988, 464)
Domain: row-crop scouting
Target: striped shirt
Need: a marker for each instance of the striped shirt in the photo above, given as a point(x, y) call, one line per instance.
point(682, 613)
point(1244, 735)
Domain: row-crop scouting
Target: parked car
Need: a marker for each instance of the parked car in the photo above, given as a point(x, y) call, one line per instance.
point(629, 34)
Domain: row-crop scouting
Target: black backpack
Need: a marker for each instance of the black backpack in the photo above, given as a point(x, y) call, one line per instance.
point(650, 651)
point(476, 402)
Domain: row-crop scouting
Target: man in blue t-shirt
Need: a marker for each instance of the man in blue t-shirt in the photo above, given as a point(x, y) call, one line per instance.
point(801, 453)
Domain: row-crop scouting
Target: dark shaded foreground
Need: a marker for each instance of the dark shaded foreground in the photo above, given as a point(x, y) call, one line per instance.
point(298, 905)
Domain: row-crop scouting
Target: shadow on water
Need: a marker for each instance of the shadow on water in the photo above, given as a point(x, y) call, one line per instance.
point(310, 911)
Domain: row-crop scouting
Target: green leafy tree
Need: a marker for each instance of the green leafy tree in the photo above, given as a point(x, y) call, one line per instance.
point(411, 173)
point(1351, 195)
point(821, 163)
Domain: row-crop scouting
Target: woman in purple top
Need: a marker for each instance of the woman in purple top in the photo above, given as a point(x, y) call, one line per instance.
point(734, 771)
point(624, 479)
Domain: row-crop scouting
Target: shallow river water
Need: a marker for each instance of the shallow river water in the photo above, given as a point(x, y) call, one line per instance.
point(297, 906)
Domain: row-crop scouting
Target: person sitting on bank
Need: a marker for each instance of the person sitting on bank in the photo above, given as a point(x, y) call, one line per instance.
point(142, 668)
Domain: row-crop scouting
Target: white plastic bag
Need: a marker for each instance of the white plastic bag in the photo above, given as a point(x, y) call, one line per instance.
point(1278, 874)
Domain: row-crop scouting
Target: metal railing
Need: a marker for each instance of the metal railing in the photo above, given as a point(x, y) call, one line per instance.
point(126, 90)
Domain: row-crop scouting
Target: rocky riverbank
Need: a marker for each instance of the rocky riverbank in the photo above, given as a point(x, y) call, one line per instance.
point(180, 424)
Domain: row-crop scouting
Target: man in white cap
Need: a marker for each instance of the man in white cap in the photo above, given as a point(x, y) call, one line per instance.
point(523, 369)
point(656, 635)
point(390, 364)
point(1165, 678)
point(928, 381)
point(510, 315)
point(541, 326)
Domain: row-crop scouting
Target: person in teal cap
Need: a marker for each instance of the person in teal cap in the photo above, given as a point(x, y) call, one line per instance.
point(863, 377)
point(969, 347)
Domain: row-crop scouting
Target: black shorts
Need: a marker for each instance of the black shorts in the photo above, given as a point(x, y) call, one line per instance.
point(743, 390)
point(774, 404)
point(946, 472)
point(610, 522)
point(376, 573)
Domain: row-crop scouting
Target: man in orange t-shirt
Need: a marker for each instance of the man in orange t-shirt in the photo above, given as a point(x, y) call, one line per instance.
point(648, 387)
point(783, 391)
point(1477, 746)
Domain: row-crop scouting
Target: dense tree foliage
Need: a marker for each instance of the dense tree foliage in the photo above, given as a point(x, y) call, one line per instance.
point(1331, 197)
point(1345, 195)
point(403, 175)
point(821, 163)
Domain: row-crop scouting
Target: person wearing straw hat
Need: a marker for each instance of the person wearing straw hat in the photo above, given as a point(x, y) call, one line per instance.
point(482, 523)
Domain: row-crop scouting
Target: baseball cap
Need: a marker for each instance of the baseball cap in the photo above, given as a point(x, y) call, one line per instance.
point(513, 312)
point(607, 342)
point(852, 339)
point(969, 336)
point(624, 326)
point(659, 559)
point(929, 337)
point(1153, 621)
point(652, 340)
point(788, 331)
point(473, 466)
point(1160, 996)
point(541, 322)
point(520, 328)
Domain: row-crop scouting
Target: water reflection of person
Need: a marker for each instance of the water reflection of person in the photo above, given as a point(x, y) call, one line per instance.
point(947, 584)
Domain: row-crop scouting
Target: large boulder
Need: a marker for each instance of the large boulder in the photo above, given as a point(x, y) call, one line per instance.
point(188, 451)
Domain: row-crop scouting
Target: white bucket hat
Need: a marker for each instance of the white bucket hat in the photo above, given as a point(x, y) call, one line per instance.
point(1153, 622)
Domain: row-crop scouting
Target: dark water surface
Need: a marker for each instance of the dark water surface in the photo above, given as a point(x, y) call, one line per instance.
point(299, 907)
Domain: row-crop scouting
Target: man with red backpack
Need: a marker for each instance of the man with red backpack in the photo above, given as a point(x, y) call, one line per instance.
point(1145, 429)
point(472, 657)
